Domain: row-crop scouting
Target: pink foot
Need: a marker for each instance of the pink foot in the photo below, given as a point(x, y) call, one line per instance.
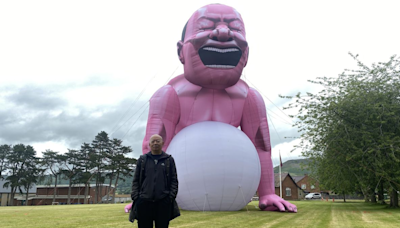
point(273, 202)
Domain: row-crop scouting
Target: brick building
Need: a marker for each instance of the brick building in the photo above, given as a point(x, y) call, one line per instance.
point(5, 194)
point(290, 190)
point(307, 184)
point(44, 195)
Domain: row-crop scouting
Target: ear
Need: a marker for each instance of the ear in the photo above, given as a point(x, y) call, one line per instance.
point(247, 58)
point(180, 54)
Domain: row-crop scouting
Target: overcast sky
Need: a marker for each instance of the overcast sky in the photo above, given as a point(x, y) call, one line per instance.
point(70, 69)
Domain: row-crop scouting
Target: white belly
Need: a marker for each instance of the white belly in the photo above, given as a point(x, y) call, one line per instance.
point(218, 167)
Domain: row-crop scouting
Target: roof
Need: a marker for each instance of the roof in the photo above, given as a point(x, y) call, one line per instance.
point(276, 178)
point(284, 175)
point(8, 190)
point(74, 186)
point(298, 178)
point(122, 195)
point(51, 197)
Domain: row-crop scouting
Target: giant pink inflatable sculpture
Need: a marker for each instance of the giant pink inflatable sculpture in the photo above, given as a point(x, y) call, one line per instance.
point(214, 52)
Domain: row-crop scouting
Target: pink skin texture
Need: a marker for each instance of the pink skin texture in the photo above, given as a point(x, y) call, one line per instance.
point(128, 207)
point(211, 90)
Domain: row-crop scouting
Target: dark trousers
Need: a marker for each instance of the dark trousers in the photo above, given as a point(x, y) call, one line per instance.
point(159, 211)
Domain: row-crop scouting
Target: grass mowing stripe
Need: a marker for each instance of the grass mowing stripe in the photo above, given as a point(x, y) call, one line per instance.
point(341, 216)
point(311, 214)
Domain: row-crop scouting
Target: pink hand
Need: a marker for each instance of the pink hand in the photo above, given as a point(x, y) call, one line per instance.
point(273, 202)
point(128, 207)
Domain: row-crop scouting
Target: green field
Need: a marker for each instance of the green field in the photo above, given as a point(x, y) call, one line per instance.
point(311, 214)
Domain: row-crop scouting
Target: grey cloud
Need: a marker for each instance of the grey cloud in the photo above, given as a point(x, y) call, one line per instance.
point(31, 118)
point(283, 136)
point(38, 114)
point(36, 98)
point(6, 117)
point(133, 131)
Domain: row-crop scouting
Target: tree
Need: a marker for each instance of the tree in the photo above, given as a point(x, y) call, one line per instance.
point(29, 176)
point(334, 178)
point(101, 147)
point(52, 161)
point(71, 161)
point(5, 150)
point(86, 166)
point(352, 126)
point(118, 163)
point(124, 169)
point(16, 165)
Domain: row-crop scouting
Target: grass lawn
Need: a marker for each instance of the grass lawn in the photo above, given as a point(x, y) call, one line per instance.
point(311, 214)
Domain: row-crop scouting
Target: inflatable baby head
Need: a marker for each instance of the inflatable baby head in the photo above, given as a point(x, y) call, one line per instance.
point(213, 48)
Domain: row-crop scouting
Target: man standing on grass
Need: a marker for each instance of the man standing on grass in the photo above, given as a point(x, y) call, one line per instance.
point(154, 188)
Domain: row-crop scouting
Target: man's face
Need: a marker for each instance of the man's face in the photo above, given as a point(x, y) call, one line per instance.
point(156, 143)
point(215, 49)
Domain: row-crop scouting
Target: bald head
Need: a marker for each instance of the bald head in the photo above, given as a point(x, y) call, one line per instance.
point(156, 143)
point(206, 48)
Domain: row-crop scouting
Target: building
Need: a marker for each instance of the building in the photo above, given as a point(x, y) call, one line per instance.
point(307, 184)
point(5, 194)
point(45, 194)
point(290, 190)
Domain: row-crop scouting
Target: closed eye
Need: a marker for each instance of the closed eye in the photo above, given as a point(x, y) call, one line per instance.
point(208, 28)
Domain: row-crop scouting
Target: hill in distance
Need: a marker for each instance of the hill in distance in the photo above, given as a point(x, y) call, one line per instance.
point(294, 167)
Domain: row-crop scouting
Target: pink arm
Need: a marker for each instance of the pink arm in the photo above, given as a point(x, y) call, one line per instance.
point(163, 116)
point(255, 125)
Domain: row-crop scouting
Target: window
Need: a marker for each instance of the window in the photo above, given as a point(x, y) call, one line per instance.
point(312, 186)
point(303, 186)
point(288, 191)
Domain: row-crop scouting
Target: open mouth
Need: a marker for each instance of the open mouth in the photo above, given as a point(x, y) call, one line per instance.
point(224, 58)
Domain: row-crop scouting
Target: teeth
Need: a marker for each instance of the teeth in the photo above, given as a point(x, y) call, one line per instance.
point(221, 50)
point(221, 66)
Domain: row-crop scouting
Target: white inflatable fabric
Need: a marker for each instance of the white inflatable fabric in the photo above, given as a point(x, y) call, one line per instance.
point(218, 167)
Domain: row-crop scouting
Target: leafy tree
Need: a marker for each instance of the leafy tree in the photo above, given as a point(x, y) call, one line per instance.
point(334, 178)
point(352, 127)
point(5, 150)
point(71, 162)
point(17, 159)
point(30, 175)
point(124, 169)
point(86, 166)
point(118, 163)
point(101, 147)
point(52, 161)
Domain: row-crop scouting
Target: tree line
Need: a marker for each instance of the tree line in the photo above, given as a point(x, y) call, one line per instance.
point(350, 130)
point(102, 159)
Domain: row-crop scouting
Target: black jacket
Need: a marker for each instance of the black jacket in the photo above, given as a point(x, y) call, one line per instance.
point(155, 183)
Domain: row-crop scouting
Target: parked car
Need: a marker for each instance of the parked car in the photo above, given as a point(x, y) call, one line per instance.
point(313, 196)
point(104, 199)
